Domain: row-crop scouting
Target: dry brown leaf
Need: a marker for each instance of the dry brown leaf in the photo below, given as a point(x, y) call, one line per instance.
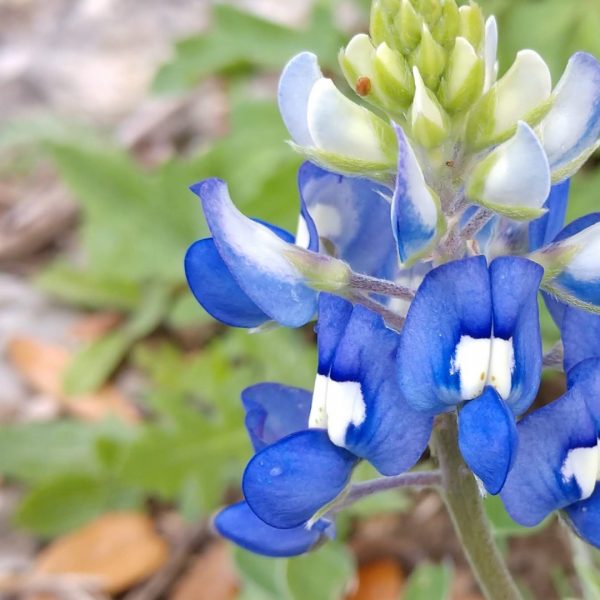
point(211, 577)
point(121, 549)
point(379, 580)
point(43, 366)
point(94, 326)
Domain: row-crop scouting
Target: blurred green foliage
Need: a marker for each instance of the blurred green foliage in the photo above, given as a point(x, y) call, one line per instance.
point(429, 582)
point(136, 225)
point(321, 575)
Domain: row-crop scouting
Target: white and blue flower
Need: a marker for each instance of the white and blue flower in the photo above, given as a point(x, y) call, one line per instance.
point(472, 340)
point(357, 413)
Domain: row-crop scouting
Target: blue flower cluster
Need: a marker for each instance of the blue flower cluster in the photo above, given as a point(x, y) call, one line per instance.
point(423, 274)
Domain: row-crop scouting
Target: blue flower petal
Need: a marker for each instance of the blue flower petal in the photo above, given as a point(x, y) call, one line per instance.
point(353, 215)
point(580, 333)
point(274, 411)
point(578, 225)
point(287, 483)
point(453, 301)
point(542, 231)
point(334, 314)
point(515, 283)
point(585, 376)
point(215, 287)
point(414, 208)
point(240, 525)
point(216, 290)
point(307, 235)
point(584, 518)
point(487, 437)
point(255, 256)
point(390, 434)
point(586, 287)
point(550, 471)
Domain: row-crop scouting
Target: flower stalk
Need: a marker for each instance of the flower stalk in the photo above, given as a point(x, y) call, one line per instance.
point(463, 501)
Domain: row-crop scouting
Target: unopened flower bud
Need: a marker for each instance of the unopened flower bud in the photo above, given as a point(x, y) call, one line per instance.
point(394, 76)
point(463, 81)
point(472, 24)
point(447, 27)
point(408, 26)
point(430, 10)
point(430, 58)
point(429, 122)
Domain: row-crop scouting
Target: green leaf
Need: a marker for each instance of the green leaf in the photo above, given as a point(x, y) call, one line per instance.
point(262, 578)
point(69, 501)
point(94, 365)
point(429, 582)
point(39, 451)
point(239, 41)
point(88, 289)
point(62, 504)
point(136, 226)
point(321, 575)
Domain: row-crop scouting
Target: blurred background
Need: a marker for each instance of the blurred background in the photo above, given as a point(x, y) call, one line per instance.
point(121, 429)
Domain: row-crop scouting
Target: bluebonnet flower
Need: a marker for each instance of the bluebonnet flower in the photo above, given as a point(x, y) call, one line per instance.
point(472, 339)
point(558, 460)
point(273, 412)
point(241, 275)
point(308, 445)
point(357, 413)
point(455, 185)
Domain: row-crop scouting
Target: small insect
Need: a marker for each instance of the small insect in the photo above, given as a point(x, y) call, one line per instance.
point(363, 86)
point(450, 163)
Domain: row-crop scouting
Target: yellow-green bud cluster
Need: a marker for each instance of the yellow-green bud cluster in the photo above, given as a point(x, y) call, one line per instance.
point(422, 64)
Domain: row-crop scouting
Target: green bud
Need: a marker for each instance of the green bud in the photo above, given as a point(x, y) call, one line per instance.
point(462, 83)
point(409, 27)
point(430, 124)
point(390, 6)
point(393, 76)
point(430, 58)
point(472, 24)
point(448, 25)
point(356, 61)
point(380, 24)
point(430, 10)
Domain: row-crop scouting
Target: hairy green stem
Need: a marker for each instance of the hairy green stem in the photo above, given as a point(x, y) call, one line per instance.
point(464, 503)
point(384, 287)
point(392, 319)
